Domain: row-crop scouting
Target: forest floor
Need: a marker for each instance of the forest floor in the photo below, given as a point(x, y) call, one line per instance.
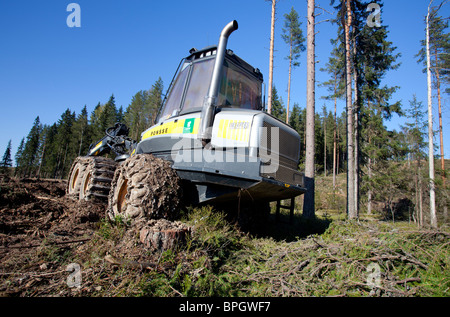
point(51, 245)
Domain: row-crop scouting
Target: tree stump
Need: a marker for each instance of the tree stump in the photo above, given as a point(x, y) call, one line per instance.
point(162, 234)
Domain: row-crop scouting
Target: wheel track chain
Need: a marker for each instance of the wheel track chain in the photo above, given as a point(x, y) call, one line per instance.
point(98, 184)
point(153, 189)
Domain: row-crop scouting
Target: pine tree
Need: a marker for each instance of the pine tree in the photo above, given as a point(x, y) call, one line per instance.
point(430, 123)
point(102, 118)
point(81, 132)
point(293, 36)
point(294, 118)
point(134, 115)
point(119, 115)
point(335, 87)
point(49, 157)
point(153, 102)
point(368, 57)
point(319, 145)
point(439, 43)
point(65, 145)
point(19, 158)
point(326, 124)
point(108, 116)
point(374, 147)
point(94, 123)
point(272, 43)
point(6, 160)
point(341, 128)
point(29, 157)
point(347, 22)
point(42, 149)
point(278, 110)
point(309, 196)
point(416, 127)
point(297, 120)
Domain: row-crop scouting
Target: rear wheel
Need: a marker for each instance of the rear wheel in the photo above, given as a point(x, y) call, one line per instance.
point(76, 176)
point(97, 177)
point(144, 187)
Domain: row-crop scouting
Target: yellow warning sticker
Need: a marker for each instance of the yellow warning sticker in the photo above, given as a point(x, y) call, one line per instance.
point(183, 126)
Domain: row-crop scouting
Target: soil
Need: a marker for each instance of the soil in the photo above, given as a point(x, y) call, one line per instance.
point(32, 210)
point(40, 226)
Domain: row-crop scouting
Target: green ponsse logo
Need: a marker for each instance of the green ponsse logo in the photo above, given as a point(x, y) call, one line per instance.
point(188, 125)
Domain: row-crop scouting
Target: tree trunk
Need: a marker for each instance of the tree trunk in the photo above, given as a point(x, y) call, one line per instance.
point(441, 137)
point(308, 203)
point(416, 198)
point(334, 137)
point(42, 160)
point(64, 162)
point(289, 83)
point(350, 147)
point(430, 129)
point(325, 146)
point(272, 38)
point(369, 168)
point(356, 132)
point(369, 191)
point(338, 152)
point(419, 192)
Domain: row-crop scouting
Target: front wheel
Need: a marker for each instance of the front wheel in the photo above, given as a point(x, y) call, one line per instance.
point(144, 187)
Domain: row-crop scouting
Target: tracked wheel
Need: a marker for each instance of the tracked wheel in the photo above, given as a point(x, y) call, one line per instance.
point(144, 187)
point(96, 178)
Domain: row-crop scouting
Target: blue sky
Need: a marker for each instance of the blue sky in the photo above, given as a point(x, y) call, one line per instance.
point(124, 46)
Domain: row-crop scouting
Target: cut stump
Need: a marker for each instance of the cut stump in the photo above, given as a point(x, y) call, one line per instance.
point(162, 234)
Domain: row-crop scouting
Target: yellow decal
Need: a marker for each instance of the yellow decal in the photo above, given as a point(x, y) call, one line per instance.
point(237, 130)
point(183, 126)
point(225, 127)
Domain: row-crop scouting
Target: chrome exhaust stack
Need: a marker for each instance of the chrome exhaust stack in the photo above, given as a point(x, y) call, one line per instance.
point(210, 102)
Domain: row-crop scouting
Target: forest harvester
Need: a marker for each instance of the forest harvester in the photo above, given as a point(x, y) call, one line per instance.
point(212, 143)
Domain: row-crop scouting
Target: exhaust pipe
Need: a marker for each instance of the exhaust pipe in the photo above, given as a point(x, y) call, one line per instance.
point(209, 104)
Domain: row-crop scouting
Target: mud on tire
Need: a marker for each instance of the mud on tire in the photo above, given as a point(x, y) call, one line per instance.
point(144, 187)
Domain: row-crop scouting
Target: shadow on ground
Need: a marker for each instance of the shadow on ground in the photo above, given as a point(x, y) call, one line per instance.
point(281, 227)
point(287, 229)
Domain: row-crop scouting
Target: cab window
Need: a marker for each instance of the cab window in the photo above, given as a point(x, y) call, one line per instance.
point(239, 89)
point(173, 101)
point(198, 84)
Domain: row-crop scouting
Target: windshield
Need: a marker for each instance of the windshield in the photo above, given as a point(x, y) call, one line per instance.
point(172, 104)
point(198, 84)
point(238, 89)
